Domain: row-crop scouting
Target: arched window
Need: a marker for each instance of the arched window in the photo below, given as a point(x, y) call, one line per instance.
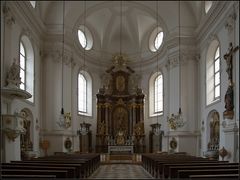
point(156, 39)
point(84, 93)
point(26, 58)
point(156, 94)
point(213, 75)
point(22, 66)
point(33, 3)
point(217, 74)
point(82, 38)
point(208, 5)
point(85, 37)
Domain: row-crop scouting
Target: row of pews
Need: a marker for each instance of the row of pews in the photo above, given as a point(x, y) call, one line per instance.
point(79, 166)
point(168, 166)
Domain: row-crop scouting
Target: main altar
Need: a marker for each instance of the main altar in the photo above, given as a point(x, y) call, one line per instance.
point(120, 103)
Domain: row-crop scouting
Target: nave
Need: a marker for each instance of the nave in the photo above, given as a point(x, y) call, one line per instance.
point(120, 171)
point(151, 166)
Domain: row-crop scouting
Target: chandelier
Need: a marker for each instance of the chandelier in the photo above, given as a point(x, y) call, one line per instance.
point(64, 119)
point(177, 121)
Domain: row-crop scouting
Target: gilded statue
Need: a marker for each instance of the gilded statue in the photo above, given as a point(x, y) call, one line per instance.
point(120, 137)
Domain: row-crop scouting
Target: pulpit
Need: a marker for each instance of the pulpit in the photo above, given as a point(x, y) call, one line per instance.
point(120, 104)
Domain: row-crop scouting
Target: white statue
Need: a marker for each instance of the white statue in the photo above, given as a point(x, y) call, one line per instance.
point(13, 76)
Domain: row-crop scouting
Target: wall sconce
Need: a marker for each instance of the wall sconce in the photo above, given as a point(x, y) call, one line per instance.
point(13, 125)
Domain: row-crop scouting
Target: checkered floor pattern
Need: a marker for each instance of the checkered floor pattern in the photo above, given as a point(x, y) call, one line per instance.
point(121, 171)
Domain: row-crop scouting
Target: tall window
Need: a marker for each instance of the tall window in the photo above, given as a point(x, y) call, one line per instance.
point(158, 94)
point(217, 74)
point(213, 75)
point(22, 66)
point(82, 94)
point(26, 58)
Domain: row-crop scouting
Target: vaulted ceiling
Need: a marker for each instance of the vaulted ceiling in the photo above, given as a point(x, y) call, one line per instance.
point(139, 19)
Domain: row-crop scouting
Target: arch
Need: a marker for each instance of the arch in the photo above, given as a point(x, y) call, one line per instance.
point(213, 75)
point(156, 87)
point(26, 142)
point(213, 130)
point(27, 66)
point(84, 86)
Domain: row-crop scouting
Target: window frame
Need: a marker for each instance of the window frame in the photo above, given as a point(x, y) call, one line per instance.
point(158, 33)
point(86, 95)
point(154, 94)
point(25, 64)
point(215, 74)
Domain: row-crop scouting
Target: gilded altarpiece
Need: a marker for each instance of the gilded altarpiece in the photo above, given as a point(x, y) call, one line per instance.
point(120, 104)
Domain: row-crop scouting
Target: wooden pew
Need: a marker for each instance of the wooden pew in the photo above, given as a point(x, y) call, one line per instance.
point(215, 176)
point(173, 171)
point(71, 171)
point(13, 176)
point(78, 167)
point(187, 173)
point(166, 170)
point(58, 173)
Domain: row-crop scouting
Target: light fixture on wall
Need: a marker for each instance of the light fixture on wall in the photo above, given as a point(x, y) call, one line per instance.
point(177, 121)
point(64, 119)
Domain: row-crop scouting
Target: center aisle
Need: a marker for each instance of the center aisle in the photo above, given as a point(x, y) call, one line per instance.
point(121, 171)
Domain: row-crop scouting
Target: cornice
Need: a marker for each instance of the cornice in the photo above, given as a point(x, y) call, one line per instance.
point(209, 19)
point(218, 19)
point(27, 19)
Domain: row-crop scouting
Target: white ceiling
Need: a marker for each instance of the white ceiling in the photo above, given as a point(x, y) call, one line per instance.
point(138, 21)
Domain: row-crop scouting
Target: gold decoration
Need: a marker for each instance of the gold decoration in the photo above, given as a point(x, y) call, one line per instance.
point(173, 143)
point(12, 134)
point(45, 145)
point(120, 138)
point(223, 152)
point(120, 83)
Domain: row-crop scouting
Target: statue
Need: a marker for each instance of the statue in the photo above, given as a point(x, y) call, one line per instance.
point(229, 106)
point(120, 137)
point(13, 76)
point(229, 98)
point(228, 57)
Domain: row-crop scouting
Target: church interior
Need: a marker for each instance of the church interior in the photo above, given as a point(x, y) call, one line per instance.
point(120, 89)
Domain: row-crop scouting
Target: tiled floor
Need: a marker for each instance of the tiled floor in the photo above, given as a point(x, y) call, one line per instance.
point(121, 171)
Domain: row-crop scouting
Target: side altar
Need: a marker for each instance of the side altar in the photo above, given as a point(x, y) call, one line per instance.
point(120, 103)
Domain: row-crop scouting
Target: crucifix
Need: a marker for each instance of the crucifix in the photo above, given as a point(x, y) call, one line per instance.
point(229, 99)
point(228, 57)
